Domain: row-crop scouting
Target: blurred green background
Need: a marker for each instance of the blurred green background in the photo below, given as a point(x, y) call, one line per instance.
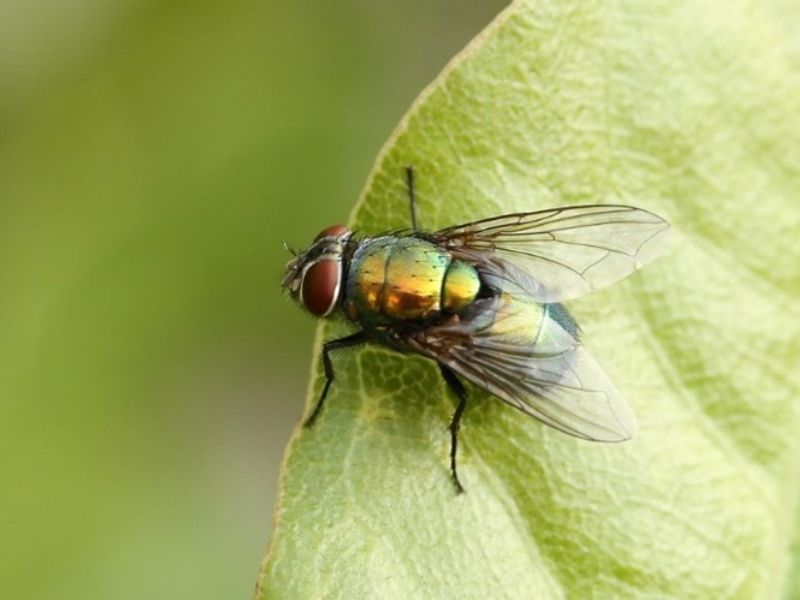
point(153, 158)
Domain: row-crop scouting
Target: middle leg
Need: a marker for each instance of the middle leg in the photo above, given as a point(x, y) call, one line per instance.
point(458, 389)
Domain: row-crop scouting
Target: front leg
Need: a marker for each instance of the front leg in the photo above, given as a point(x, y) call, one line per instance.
point(356, 339)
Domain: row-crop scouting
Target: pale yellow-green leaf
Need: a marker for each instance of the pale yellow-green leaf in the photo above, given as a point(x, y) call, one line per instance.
point(688, 109)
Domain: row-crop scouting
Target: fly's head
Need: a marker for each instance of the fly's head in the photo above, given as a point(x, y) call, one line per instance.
point(314, 277)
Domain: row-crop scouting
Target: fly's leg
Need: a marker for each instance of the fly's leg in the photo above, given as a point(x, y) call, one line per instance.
point(458, 389)
point(346, 342)
point(411, 198)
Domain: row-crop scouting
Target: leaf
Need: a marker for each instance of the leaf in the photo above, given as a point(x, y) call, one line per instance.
point(688, 109)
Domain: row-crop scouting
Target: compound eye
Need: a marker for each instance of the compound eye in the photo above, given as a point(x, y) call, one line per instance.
point(319, 289)
point(332, 231)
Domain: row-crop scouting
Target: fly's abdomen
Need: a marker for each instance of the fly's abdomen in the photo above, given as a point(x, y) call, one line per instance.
point(406, 278)
point(542, 328)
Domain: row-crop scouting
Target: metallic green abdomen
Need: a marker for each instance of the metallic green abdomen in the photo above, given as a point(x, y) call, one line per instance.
point(405, 278)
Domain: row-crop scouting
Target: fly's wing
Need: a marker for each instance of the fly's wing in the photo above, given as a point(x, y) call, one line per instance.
point(560, 253)
point(530, 356)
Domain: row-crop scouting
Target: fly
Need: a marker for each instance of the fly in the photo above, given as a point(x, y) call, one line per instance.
point(483, 301)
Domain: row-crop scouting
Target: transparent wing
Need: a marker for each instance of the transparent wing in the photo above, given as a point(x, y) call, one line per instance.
point(561, 253)
point(530, 356)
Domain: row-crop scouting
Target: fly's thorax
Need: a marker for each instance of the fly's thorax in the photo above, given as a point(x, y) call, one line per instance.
point(366, 277)
point(406, 278)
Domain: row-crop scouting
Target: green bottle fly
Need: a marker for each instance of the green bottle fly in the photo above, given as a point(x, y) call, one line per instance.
point(483, 300)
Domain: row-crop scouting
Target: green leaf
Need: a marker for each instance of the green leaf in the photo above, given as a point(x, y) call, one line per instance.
point(688, 109)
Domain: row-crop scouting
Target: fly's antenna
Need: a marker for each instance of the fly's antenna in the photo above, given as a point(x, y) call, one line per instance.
point(292, 252)
point(411, 198)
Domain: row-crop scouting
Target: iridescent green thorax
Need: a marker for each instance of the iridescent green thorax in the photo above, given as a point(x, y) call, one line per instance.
point(406, 278)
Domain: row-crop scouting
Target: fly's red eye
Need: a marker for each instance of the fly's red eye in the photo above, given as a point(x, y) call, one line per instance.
point(319, 289)
point(332, 231)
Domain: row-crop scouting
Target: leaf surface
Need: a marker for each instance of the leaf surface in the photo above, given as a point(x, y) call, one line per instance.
point(690, 110)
